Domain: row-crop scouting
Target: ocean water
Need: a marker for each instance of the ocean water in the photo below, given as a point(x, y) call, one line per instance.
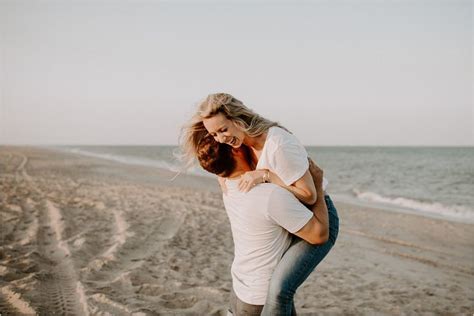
point(436, 181)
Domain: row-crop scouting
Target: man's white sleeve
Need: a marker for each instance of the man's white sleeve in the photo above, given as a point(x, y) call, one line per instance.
point(285, 210)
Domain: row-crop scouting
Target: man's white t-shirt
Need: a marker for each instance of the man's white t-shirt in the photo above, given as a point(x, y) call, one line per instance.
point(261, 222)
point(284, 155)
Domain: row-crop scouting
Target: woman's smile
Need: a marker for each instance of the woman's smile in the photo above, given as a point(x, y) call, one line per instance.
point(224, 130)
point(235, 142)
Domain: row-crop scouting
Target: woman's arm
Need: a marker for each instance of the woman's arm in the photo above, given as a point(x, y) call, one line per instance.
point(303, 188)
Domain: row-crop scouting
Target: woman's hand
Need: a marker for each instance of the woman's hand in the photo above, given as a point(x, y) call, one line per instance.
point(251, 179)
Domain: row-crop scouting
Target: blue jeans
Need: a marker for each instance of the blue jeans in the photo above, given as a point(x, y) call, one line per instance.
point(296, 265)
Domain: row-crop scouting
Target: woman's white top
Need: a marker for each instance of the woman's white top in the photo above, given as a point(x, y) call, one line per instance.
point(284, 155)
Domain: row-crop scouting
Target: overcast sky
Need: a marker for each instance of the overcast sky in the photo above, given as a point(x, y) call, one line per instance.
point(333, 72)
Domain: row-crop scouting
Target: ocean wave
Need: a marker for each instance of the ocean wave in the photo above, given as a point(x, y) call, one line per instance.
point(435, 208)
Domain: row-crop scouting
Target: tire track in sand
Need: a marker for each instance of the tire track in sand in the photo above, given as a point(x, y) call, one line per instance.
point(120, 237)
point(132, 247)
point(133, 252)
point(20, 232)
point(61, 291)
point(12, 303)
point(17, 214)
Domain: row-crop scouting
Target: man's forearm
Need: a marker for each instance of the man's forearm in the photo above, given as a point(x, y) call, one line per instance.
point(320, 211)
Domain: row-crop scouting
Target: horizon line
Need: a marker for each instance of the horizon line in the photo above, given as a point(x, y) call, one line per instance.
point(177, 145)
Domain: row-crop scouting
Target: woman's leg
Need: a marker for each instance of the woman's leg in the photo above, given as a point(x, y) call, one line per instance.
point(295, 266)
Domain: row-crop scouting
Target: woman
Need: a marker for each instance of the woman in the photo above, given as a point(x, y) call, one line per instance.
point(278, 157)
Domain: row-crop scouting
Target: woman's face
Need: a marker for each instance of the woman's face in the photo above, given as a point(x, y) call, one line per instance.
point(224, 130)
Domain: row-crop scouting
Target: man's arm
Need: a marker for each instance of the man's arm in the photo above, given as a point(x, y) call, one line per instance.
point(316, 231)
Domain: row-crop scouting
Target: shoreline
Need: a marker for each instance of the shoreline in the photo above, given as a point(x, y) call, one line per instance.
point(344, 198)
point(94, 236)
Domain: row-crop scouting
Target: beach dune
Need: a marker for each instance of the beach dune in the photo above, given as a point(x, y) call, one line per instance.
point(85, 236)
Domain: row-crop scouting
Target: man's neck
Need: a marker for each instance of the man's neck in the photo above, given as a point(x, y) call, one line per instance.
point(241, 167)
point(237, 174)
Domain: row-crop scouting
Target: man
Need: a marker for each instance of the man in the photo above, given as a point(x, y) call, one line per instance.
point(262, 221)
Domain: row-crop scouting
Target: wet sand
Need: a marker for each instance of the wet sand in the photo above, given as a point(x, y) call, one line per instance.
point(85, 236)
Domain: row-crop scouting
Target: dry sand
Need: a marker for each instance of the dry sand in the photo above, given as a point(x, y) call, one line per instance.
point(84, 236)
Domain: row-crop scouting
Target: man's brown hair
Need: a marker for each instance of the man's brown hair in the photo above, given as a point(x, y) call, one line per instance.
point(215, 157)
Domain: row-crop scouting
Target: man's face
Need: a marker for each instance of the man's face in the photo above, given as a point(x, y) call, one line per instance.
point(224, 130)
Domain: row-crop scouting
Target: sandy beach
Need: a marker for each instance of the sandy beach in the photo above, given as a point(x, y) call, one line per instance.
point(85, 236)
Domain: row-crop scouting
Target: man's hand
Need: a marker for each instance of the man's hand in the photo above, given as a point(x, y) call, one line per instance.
point(317, 174)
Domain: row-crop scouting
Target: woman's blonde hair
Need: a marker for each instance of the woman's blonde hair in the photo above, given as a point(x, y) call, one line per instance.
point(194, 131)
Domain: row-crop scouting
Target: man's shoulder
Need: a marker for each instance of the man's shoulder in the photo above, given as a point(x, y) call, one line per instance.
point(262, 191)
point(273, 191)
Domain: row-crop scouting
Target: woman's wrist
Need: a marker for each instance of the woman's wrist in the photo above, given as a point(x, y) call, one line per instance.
point(266, 176)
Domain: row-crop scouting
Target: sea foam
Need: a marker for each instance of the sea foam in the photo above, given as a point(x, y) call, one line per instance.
point(434, 208)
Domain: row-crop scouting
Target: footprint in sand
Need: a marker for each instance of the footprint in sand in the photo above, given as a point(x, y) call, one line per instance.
point(178, 300)
point(168, 227)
